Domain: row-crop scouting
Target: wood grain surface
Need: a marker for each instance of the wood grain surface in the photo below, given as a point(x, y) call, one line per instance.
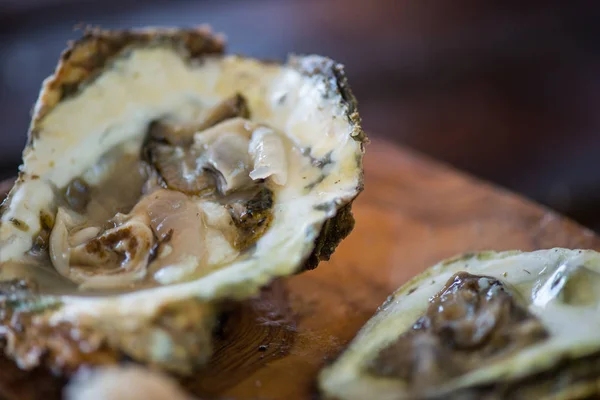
point(412, 213)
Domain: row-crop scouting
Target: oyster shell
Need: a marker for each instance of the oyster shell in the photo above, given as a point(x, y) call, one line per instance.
point(507, 325)
point(160, 178)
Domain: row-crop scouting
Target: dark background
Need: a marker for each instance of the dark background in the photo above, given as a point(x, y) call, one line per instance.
point(507, 90)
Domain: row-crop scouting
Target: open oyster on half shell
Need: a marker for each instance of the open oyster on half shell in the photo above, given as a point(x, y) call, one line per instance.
point(488, 325)
point(160, 178)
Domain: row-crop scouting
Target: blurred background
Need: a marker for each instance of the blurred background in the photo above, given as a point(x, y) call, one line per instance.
point(506, 90)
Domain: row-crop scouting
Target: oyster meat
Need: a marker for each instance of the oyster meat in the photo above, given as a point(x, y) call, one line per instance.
point(488, 325)
point(160, 178)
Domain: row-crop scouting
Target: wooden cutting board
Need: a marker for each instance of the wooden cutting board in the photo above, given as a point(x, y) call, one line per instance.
point(413, 213)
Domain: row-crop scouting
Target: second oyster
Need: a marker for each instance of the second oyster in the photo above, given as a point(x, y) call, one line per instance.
point(507, 325)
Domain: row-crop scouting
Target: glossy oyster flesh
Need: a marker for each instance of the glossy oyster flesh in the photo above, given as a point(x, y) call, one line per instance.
point(488, 325)
point(160, 178)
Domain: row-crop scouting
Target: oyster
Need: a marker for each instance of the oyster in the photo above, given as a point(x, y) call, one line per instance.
point(507, 325)
point(160, 178)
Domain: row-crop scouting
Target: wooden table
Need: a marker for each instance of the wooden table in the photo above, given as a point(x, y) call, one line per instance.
point(413, 213)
